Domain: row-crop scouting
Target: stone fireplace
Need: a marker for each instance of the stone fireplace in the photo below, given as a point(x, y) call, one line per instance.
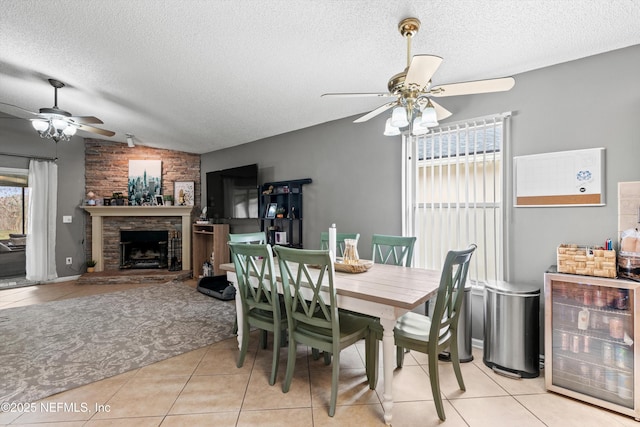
point(109, 222)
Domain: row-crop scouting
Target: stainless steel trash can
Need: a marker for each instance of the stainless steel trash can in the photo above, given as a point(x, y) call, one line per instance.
point(464, 330)
point(512, 329)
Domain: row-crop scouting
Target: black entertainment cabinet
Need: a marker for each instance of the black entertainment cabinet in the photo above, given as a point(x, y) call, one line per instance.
point(281, 211)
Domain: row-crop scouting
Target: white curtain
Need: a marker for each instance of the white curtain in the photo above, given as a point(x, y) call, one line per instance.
point(41, 232)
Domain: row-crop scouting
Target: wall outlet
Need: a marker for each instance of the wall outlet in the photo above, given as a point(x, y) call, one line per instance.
point(69, 260)
point(66, 219)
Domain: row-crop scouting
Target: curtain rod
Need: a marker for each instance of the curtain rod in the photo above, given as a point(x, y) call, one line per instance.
point(54, 159)
point(474, 120)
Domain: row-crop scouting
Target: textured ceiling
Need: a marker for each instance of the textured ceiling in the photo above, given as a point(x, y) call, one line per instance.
point(198, 75)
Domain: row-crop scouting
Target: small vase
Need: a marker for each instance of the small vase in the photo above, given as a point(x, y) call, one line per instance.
point(91, 269)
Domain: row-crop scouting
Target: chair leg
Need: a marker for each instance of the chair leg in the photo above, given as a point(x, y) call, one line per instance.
point(315, 353)
point(434, 378)
point(455, 361)
point(371, 359)
point(335, 379)
point(263, 339)
point(399, 356)
point(291, 364)
point(276, 356)
point(327, 358)
point(243, 347)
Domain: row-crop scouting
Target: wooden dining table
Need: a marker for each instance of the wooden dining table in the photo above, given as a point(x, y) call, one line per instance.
point(384, 291)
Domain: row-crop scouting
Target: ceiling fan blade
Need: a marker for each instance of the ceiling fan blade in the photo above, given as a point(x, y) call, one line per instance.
point(441, 112)
point(420, 71)
point(19, 109)
point(375, 112)
point(87, 119)
point(354, 95)
point(478, 86)
point(92, 129)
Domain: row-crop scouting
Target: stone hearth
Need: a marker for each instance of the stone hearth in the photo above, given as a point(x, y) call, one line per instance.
point(120, 277)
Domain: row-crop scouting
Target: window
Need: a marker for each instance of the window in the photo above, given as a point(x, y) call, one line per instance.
point(454, 194)
point(14, 201)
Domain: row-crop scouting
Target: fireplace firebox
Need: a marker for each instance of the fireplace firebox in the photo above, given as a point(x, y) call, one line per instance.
point(143, 249)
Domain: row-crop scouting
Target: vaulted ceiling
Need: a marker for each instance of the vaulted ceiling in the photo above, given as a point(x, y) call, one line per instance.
point(198, 75)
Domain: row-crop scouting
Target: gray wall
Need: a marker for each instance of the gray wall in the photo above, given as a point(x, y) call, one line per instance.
point(355, 172)
point(18, 137)
point(587, 103)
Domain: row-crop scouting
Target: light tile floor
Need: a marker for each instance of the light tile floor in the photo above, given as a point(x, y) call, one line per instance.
point(205, 388)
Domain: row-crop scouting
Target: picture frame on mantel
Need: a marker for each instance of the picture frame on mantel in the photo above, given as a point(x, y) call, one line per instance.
point(183, 193)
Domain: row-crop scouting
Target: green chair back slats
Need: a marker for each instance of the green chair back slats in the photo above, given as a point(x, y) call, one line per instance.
point(396, 250)
point(258, 237)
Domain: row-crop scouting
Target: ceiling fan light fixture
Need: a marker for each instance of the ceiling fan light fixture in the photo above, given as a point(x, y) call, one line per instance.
point(69, 131)
point(418, 127)
point(399, 117)
point(56, 129)
point(429, 116)
point(40, 125)
point(59, 124)
point(389, 129)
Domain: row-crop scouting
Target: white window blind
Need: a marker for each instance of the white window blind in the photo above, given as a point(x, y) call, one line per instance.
point(454, 194)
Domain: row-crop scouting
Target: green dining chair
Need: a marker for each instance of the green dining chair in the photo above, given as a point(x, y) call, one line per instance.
point(261, 307)
point(395, 250)
point(314, 319)
point(258, 237)
point(340, 237)
point(431, 335)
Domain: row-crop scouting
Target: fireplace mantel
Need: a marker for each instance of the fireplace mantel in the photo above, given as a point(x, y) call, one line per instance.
point(99, 212)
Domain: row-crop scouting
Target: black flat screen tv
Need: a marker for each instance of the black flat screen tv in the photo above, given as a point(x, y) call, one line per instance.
point(233, 193)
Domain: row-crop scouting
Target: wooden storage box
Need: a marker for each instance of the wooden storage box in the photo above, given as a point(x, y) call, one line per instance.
point(574, 259)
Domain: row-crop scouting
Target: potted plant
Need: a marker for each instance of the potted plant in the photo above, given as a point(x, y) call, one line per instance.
point(168, 199)
point(91, 265)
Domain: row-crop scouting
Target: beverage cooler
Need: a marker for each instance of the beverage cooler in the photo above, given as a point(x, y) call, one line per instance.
point(590, 335)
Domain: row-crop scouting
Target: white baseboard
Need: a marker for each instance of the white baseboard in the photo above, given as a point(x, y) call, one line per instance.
point(63, 279)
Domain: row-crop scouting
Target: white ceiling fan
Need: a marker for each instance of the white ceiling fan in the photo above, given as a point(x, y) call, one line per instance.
point(412, 89)
point(57, 124)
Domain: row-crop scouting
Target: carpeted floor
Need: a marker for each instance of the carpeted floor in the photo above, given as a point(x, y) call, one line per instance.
point(52, 347)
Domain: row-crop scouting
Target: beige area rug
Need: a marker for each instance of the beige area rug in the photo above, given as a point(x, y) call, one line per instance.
point(56, 346)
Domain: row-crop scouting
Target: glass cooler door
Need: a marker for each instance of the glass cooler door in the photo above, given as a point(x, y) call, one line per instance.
point(592, 339)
